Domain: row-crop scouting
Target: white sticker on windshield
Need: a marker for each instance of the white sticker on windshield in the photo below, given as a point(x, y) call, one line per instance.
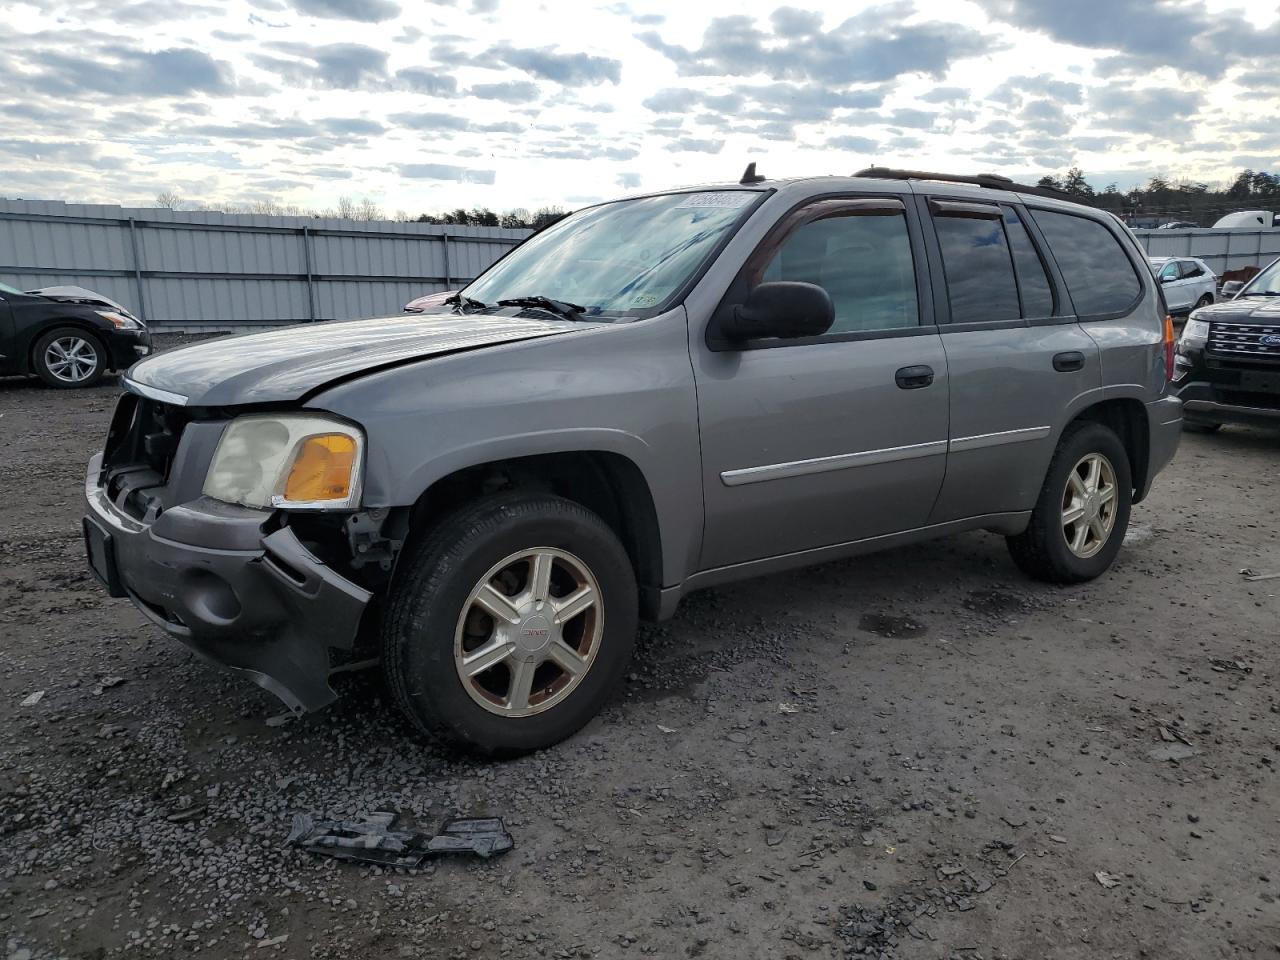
point(730, 199)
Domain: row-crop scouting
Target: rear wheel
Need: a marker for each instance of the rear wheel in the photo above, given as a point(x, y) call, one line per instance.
point(1203, 301)
point(1081, 515)
point(510, 624)
point(68, 357)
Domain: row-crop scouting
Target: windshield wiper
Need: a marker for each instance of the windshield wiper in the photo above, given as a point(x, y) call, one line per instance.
point(460, 301)
point(561, 308)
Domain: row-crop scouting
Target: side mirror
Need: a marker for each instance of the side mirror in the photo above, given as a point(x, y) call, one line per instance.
point(1231, 288)
point(1165, 278)
point(784, 308)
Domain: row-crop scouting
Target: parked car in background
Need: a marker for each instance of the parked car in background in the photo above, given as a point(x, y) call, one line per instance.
point(649, 397)
point(1179, 225)
point(1187, 282)
point(1249, 218)
point(428, 302)
point(1228, 365)
point(68, 336)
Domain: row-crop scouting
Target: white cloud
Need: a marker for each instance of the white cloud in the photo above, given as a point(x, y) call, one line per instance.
point(423, 105)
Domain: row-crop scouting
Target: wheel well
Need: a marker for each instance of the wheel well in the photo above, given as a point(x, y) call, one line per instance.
point(608, 484)
point(65, 322)
point(1127, 418)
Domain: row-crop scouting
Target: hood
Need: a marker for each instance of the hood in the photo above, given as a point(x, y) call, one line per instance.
point(79, 295)
point(1244, 310)
point(288, 363)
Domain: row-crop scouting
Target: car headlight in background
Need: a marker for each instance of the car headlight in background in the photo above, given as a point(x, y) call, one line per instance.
point(119, 320)
point(1195, 331)
point(295, 461)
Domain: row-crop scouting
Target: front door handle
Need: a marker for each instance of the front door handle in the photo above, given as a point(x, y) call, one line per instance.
point(913, 378)
point(1068, 361)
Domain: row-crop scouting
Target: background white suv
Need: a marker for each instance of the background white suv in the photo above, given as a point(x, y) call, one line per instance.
point(1187, 282)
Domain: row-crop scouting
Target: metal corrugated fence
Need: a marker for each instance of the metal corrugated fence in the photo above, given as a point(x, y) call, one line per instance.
point(1221, 250)
point(197, 269)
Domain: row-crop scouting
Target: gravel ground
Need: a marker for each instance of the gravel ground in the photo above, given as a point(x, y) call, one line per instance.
point(919, 754)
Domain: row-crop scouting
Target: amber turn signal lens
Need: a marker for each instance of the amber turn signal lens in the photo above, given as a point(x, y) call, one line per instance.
point(322, 469)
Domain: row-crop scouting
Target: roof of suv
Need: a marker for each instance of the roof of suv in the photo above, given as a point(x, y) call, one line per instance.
point(987, 186)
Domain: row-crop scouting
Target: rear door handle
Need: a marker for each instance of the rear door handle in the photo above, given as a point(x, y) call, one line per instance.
point(1068, 361)
point(913, 378)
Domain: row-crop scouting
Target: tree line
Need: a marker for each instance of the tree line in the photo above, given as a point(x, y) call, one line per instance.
point(1159, 201)
point(1162, 200)
point(365, 208)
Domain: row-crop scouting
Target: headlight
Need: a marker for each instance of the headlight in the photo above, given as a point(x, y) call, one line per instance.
point(1195, 331)
point(297, 461)
point(119, 320)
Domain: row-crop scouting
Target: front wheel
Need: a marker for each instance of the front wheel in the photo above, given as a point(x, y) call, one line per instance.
point(1082, 513)
point(1203, 301)
point(510, 624)
point(69, 357)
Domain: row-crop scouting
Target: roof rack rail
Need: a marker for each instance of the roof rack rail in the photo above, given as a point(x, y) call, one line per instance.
point(992, 180)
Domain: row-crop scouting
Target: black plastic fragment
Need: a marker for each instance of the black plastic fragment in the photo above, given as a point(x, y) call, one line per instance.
point(373, 840)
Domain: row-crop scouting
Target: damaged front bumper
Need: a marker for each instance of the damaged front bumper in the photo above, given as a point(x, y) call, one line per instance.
point(257, 604)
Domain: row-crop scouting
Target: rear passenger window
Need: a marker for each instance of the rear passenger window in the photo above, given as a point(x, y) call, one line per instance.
point(863, 262)
point(1098, 274)
point(979, 269)
point(1191, 269)
point(1033, 282)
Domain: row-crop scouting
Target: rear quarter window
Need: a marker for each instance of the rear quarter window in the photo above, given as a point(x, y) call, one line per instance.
point(1098, 274)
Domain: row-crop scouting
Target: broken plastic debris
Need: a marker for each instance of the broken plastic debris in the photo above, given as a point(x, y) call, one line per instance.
point(662, 729)
point(788, 708)
point(373, 840)
point(1108, 880)
point(32, 699)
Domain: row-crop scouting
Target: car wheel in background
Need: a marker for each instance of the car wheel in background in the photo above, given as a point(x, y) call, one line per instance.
point(510, 623)
point(1081, 515)
point(1203, 301)
point(68, 357)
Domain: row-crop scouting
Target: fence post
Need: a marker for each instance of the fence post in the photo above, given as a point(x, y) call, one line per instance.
point(444, 237)
point(137, 270)
point(306, 258)
point(1226, 258)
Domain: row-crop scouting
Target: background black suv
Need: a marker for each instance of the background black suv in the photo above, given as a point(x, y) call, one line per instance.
point(1228, 365)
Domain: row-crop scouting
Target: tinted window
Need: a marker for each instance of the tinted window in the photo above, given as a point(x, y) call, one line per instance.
point(979, 268)
point(1098, 275)
point(1191, 269)
point(864, 263)
point(1033, 282)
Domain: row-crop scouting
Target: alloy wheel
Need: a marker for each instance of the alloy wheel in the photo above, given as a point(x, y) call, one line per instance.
point(71, 359)
point(1089, 505)
point(529, 632)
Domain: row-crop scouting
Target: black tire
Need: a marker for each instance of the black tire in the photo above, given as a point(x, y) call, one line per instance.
point(1041, 551)
point(89, 347)
point(1198, 426)
point(1203, 301)
point(436, 580)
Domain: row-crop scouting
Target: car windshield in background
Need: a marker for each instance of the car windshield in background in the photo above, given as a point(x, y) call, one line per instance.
point(5, 288)
point(624, 259)
point(1267, 283)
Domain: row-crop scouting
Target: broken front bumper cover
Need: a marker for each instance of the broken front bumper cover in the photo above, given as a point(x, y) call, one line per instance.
point(259, 605)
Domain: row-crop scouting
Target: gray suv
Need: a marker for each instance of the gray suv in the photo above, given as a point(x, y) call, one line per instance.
point(652, 396)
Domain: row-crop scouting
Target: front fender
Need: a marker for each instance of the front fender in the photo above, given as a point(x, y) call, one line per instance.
point(625, 390)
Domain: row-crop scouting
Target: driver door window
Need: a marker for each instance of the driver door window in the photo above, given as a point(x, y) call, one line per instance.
point(863, 262)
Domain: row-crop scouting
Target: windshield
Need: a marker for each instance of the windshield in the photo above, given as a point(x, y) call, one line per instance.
point(5, 288)
point(1267, 282)
point(627, 258)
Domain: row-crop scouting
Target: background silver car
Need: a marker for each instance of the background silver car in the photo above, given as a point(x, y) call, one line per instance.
point(1187, 282)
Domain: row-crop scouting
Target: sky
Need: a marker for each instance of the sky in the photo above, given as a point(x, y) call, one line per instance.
point(428, 105)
